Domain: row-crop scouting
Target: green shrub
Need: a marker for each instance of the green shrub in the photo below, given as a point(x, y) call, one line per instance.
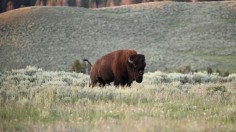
point(185, 69)
point(214, 89)
point(226, 74)
point(219, 72)
point(209, 70)
point(77, 66)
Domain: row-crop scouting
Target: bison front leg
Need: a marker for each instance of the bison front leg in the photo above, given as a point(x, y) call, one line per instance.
point(129, 84)
point(119, 82)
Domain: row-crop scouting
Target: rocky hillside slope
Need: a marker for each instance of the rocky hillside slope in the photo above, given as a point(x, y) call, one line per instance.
point(171, 35)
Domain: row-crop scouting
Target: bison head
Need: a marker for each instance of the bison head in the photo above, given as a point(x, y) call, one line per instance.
point(136, 64)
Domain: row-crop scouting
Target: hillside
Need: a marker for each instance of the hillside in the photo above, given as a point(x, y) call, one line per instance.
point(170, 34)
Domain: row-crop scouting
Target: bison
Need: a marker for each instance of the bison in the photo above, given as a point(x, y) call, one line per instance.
point(121, 67)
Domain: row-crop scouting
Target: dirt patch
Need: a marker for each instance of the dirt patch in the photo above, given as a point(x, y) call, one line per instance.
point(13, 14)
point(232, 5)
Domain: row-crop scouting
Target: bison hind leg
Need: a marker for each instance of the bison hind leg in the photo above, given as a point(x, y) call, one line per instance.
point(101, 82)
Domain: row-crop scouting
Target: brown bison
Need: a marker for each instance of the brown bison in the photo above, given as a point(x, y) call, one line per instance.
point(121, 67)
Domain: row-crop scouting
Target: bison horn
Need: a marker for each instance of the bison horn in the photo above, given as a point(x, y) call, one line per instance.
point(130, 61)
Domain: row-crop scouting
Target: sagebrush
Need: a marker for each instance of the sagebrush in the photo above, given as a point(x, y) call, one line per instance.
point(34, 99)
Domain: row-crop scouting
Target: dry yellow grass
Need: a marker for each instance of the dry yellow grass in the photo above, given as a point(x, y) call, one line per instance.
point(36, 100)
point(7, 16)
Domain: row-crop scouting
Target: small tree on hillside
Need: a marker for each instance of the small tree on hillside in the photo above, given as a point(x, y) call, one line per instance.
point(116, 2)
point(136, 1)
point(226, 74)
point(185, 70)
point(44, 2)
point(84, 3)
point(72, 2)
point(209, 70)
point(97, 2)
point(219, 72)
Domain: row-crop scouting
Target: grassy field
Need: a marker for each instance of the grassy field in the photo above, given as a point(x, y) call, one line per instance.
point(36, 100)
point(171, 35)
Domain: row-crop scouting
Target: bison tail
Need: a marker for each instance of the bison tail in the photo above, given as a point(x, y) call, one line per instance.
point(87, 61)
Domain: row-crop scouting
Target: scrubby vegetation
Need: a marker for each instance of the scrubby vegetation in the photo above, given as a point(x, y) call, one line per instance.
point(78, 66)
point(33, 99)
point(209, 70)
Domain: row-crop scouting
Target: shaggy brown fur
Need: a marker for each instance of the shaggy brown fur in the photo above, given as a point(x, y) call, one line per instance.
point(121, 66)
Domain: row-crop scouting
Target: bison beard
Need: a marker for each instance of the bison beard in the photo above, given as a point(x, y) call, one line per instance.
point(121, 67)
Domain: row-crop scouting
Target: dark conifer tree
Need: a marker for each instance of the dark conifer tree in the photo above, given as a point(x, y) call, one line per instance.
point(3, 5)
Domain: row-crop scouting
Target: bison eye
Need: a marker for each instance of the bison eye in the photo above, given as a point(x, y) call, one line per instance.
point(140, 72)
